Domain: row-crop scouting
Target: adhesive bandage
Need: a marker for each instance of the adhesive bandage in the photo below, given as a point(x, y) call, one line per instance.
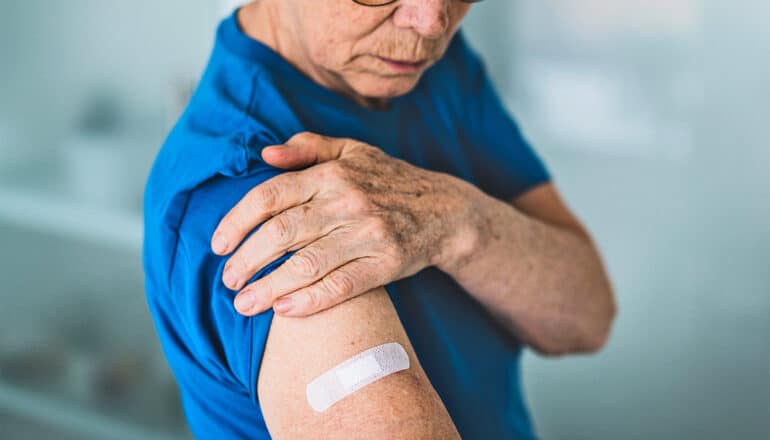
point(356, 373)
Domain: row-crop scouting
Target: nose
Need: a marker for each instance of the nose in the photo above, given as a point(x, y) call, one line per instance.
point(429, 18)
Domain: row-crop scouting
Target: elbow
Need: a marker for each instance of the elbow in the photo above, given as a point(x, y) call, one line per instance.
point(598, 331)
point(596, 339)
point(589, 337)
point(597, 327)
point(586, 344)
point(596, 342)
point(608, 321)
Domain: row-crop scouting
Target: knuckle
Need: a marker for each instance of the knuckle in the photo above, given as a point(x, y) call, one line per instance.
point(307, 264)
point(379, 231)
point(338, 171)
point(314, 299)
point(339, 284)
point(282, 230)
point(392, 251)
point(291, 220)
point(324, 139)
point(237, 220)
point(268, 288)
point(301, 137)
point(358, 201)
point(320, 172)
point(367, 150)
point(266, 197)
point(239, 262)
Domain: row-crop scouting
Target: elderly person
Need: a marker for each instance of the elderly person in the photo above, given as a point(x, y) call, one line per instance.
point(334, 147)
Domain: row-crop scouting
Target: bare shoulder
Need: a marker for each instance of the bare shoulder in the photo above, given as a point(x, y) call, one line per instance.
point(401, 405)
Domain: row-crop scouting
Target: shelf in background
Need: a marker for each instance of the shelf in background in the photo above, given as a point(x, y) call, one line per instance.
point(70, 419)
point(48, 212)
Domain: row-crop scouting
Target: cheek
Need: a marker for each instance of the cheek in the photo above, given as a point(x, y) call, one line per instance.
point(341, 37)
point(334, 47)
point(330, 53)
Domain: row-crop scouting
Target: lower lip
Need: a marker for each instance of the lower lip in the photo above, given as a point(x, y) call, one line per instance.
point(400, 67)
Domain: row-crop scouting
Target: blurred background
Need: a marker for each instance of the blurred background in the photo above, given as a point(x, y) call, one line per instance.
point(651, 114)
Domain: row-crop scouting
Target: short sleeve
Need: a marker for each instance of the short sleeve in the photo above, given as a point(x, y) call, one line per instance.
point(503, 162)
point(233, 344)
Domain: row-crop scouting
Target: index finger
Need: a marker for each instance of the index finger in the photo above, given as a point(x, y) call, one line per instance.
point(264, 201)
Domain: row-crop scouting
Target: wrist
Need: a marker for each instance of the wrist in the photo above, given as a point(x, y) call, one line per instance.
point(464, 234)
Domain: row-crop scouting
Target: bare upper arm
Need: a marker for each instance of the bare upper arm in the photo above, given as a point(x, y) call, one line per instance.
point(402, 405)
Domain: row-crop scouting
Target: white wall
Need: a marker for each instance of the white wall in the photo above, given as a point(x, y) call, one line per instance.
point(685, 235)
point(56, 55)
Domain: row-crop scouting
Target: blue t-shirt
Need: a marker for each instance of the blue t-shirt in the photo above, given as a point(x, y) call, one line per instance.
point(248, 98)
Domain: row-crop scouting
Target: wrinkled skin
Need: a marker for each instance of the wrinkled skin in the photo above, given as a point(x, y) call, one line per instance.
point(359, 220)
point(341, 45)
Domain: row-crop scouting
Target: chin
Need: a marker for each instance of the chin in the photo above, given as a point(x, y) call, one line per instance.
point(384, 87)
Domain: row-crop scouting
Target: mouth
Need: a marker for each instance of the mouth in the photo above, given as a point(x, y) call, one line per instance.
point(403, 66)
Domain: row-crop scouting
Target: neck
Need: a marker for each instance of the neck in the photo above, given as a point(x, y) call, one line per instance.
point(261, 20)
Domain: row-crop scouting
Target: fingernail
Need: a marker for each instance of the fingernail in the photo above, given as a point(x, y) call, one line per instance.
point(229, 278)
point(283, 305)
point(219, 244)
point(245, 301)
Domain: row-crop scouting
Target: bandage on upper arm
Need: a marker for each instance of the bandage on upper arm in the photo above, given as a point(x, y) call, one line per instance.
point(356, 373)
point(334, 375)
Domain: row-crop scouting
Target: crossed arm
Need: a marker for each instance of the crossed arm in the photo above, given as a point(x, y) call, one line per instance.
point(359, 219)
point(537, 270)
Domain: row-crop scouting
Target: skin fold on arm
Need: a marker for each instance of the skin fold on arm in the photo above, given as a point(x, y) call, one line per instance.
point(403, 405)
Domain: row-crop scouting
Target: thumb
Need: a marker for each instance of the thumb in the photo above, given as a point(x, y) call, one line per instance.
point(304, 150)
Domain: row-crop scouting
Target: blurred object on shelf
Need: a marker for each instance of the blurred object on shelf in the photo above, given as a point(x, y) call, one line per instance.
point(31, 366)
point(102, 114)
point(87, 362)
point(81, 365)
point(105, 162)
point(119, 376)
point(107, 170)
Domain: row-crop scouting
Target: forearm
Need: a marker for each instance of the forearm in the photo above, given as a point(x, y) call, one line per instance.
point(546, 284)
